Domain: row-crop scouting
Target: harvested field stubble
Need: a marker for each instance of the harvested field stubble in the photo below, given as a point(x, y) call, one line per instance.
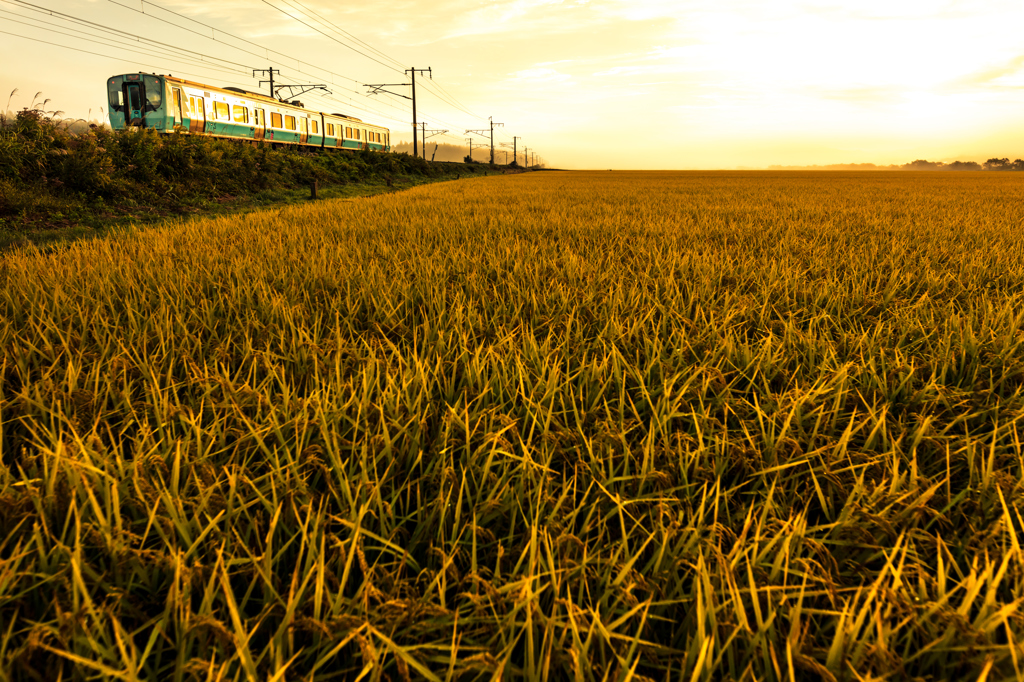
point(563, 425)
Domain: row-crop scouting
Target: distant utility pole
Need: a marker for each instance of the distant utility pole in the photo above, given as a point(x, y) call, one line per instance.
point(514, 156)
point(378, 88)
point(482, 132)
point(426, 137)
point(526, 157)
point(470, 141)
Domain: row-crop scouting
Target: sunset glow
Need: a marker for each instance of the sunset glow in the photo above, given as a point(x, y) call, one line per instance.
point(596, 83)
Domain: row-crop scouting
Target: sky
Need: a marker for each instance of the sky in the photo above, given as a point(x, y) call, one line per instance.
point(625, 84)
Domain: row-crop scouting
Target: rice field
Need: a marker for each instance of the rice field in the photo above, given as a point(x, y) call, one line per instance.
point(555, 426)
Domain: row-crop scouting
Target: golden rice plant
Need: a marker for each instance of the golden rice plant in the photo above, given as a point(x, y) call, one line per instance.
point(584, 426)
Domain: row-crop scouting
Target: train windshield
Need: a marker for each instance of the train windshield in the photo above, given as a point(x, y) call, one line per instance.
point(154, 91)
point(114, 95)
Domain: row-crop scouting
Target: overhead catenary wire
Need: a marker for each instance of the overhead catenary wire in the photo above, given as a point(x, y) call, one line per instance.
point(214, 30)
point(170, 56)
point(109, 29)
point(166, 56)
point(443, 95)
point(160, 50)
point(342, 31)
point(388, 66)
point(98, 54)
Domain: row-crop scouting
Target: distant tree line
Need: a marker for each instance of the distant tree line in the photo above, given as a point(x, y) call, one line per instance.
point(993, 164)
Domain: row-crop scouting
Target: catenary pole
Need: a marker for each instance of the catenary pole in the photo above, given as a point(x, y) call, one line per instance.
point(415, 149)
point(486, 132)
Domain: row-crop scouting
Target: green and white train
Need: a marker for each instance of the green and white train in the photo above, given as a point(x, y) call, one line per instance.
point(168, 104)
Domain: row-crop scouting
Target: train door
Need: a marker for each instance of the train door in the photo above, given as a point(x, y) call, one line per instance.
point(303, 130)
point(260, 124)
point(177, 104)
point(200, 115)
point(133, 100)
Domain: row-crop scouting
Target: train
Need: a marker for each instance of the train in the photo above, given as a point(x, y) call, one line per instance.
point(167, 105)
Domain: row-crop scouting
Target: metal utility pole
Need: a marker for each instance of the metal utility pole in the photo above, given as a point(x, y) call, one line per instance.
point(425, 137)
point(378, 88)
point(526, 157)
point(271, 71)
point(514, 156)
point(303, 88)
point(506, 145)
point(470, 141)
point(413, 71)
point(491, 131)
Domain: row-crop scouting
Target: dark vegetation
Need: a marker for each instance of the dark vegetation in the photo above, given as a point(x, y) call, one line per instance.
point(61, 181)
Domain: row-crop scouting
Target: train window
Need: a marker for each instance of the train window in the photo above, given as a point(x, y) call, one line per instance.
point(330, 129)
point(177, 105)
point(191, 103)
point(261, 117)
point(316, 127)
point(348, 132)
point(289, 122)
point(304, 125)
point(241, 114)
point(154, 92)
point(357, 131)
point(115, 97)
point(275, 120)
point(222, 111)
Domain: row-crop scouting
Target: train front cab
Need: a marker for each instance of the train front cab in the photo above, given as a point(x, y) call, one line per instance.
point(137, 100)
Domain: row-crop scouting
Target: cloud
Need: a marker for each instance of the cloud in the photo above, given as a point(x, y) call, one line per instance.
point(541, 75)
point(1008, 73)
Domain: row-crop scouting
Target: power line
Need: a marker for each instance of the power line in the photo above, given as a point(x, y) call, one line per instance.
point(109, 29)
point(98, 54)
point(342, 31)
point(388, 66)
point(450, 101)
point(163, 50)
point(266, 50)
point(445, 98)
point(170, 56)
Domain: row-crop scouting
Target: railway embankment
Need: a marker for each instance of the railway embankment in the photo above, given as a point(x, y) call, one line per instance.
point(57, 186)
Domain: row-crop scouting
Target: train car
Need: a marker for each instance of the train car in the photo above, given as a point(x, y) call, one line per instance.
point(168, 104)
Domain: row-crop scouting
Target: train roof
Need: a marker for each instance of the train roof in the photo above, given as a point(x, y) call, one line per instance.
point(229, 89)
point(256, 96)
